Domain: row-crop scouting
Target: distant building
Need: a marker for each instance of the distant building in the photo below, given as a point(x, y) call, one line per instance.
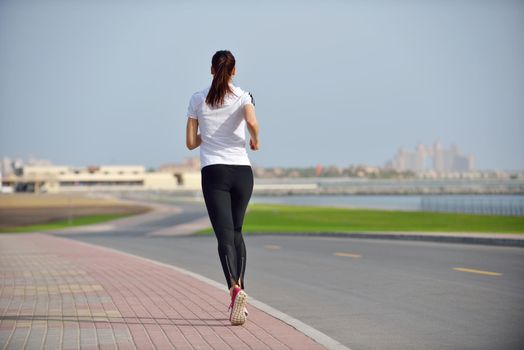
point(187, 173)
point(39, 175)
point(436, 158)
point(189, 164)
point(53, 178)
point(8, 165)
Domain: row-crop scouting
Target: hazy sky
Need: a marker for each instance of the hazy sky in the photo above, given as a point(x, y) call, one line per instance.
point(335, 82)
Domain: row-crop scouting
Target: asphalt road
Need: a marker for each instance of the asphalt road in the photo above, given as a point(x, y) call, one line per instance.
point(367, 294)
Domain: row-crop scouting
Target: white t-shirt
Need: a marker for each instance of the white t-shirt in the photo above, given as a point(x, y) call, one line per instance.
point(222, 129)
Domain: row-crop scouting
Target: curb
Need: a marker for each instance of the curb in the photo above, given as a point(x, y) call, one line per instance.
point(309, 331)
point(506, 242)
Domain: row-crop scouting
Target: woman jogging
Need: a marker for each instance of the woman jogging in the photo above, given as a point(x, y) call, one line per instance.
point(221, 112)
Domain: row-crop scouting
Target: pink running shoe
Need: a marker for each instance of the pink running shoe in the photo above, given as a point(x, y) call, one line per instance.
point(238, 307)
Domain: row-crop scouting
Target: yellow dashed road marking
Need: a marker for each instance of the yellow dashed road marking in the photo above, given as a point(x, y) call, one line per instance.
point(347, 254)
point(481, 272)
point(272, 247)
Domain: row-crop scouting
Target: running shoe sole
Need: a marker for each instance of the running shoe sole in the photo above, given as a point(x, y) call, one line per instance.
point(238, 317)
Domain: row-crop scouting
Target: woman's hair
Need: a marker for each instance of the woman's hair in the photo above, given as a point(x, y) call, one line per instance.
point(222, 63)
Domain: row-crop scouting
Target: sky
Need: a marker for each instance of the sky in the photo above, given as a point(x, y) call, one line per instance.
point(101, 82)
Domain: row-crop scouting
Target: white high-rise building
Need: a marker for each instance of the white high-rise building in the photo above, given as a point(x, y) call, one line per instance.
point(436, 158)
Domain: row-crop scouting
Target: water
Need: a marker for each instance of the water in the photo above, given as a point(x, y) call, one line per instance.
point(510, 205)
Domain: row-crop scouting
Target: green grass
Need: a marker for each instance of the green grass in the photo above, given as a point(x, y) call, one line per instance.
point(287, 218)
point(61, 224)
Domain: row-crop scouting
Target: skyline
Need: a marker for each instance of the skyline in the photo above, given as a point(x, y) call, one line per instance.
point(419, 158)
point(407, 151)
point(335, 82)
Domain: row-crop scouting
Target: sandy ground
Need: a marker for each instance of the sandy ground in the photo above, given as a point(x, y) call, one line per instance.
point(29, 209)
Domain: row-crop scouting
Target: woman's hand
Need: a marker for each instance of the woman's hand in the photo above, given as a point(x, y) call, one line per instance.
point(253, 145)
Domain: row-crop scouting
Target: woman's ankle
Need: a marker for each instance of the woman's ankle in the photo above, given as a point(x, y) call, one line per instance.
point(233, 288)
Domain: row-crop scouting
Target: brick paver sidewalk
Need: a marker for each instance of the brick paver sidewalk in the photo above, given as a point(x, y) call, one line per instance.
point(58, 293)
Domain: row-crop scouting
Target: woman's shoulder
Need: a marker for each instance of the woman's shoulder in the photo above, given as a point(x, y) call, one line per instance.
point(237, 90)
point(246, 96)
point(199, 96)
point(201, 93)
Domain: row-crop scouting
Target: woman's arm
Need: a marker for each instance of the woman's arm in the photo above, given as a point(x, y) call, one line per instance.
point(193, 139)
point(252, 125)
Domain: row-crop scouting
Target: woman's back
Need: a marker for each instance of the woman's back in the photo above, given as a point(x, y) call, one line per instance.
point(222, 128)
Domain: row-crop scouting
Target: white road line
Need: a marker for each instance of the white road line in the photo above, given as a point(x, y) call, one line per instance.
point(347, 254)
point(480, 272)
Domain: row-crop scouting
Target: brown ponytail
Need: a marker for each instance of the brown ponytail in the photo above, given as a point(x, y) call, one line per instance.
point(222, 63)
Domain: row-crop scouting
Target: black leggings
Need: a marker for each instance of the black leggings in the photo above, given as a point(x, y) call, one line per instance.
point(227, 190)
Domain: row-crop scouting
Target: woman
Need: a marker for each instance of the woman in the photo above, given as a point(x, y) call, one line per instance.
point(221, 113)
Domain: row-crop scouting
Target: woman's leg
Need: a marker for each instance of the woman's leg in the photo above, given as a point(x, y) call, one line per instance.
point(240, 196)
point(215, 187)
